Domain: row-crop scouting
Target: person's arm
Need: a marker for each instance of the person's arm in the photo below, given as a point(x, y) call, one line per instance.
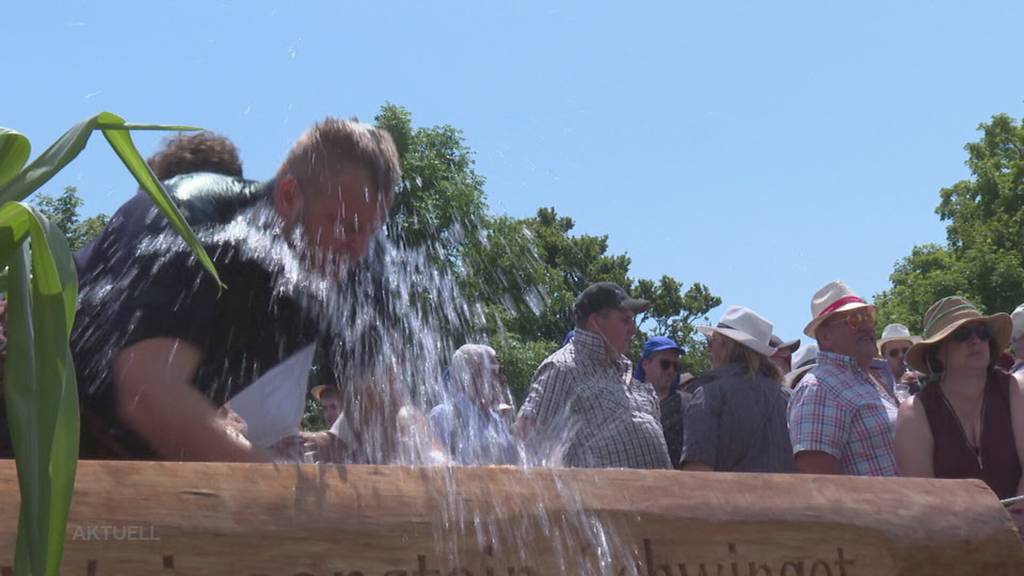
point(817, 462)
point(914, 442)
point(153, 384)
point(1017, 420)
point(818, 426)
point(548, 399)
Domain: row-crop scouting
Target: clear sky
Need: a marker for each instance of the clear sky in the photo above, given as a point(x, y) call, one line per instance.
point(763, 148)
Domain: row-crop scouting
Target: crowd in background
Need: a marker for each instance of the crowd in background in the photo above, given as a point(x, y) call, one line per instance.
point(946, 404)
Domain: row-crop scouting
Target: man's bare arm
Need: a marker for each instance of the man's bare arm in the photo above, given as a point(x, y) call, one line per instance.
point(155, 397)
point(817, 462)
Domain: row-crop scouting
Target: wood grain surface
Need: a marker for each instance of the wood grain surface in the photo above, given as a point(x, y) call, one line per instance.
point(258, 519)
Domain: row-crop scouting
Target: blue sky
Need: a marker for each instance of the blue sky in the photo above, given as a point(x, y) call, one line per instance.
point(763, 148)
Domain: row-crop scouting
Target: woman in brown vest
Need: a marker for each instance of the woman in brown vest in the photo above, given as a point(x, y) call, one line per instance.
point(968, 422)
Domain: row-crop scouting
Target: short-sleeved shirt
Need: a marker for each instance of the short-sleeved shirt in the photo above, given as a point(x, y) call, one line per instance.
point(735, 423)
point(587, 404)
point(838, 410)
point(139, 281)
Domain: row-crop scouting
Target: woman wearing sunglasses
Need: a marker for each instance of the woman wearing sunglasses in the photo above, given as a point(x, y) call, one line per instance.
point(968, 422)
point(736, 419)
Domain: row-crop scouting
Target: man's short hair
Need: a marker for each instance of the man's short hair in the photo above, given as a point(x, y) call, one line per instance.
point(334, 144)
point(196, 152)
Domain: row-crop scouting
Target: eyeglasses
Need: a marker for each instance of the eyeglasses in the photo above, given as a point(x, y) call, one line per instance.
point(857, 319)
point(667, 364)
point(897, 352)
point(964, 333)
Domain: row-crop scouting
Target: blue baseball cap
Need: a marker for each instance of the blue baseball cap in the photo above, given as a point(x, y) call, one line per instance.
point(655, 344)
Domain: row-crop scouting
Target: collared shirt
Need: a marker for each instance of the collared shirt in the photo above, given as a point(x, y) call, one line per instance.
point(839, 410)
point(736, 423)
point(589, 411)
point(473, 434)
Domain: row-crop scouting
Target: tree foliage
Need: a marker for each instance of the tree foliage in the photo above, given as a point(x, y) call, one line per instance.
point(62, 211)
point(525, 272)
point(984, 256)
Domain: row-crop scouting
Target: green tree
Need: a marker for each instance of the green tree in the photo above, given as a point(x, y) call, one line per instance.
point(984, 256)
point(62, 211)
point(524, 272)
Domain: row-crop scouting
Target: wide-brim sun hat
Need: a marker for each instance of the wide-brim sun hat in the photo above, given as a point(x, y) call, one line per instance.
point(833, 298)
point(944, 317)
point(779, 344)
point(745, 327)
point(896, 333)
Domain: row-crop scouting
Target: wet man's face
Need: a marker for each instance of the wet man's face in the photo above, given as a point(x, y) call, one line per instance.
point(341, 220)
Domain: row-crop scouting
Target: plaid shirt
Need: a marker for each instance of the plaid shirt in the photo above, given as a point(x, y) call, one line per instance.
point(589, 405)
point(838, 410)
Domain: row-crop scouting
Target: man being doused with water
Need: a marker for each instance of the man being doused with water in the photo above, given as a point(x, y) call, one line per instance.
point(159, 347)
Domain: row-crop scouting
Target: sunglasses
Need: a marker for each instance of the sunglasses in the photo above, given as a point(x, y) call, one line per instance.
point(857, 319)
point(897, 352)
point(670, 365)
point(964, 333)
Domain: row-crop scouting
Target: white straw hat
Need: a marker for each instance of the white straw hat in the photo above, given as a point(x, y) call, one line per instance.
point(896, 333)
point(833, 298)
point(1018, 322)
point(744, 326)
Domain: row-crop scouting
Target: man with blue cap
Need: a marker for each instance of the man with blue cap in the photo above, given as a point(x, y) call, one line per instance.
point(660, 367)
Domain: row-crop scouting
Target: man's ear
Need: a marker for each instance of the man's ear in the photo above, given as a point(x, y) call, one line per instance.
point(288, 199)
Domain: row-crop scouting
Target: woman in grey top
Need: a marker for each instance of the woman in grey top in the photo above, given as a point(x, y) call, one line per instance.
point(736, 421)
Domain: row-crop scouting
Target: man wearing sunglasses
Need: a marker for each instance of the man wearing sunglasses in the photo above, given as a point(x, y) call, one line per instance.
point(896, 341)
point(661, 367)
point(842, 417)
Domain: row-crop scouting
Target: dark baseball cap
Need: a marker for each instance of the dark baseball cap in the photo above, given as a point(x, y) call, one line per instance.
point(606, 295)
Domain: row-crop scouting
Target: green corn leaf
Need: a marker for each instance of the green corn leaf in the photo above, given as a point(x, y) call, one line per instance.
point(117, 133)
point(40, 388)
point(121, 141)
point(14, 151)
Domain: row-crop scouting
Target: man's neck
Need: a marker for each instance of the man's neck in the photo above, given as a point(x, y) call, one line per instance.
point(862, 362)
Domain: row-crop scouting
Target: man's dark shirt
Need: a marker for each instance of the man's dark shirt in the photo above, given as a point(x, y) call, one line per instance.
point(673, 408)
point(139, 281)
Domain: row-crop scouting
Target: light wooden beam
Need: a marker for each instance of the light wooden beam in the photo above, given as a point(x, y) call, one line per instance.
point(289, 520)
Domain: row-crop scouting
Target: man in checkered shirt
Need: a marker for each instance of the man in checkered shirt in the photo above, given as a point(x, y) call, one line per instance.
point(842, 419)
point(585, 409)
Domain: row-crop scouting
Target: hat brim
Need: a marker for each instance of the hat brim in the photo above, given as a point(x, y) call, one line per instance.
point(813, 325)
point(792, 378)
point(999, 324)
point(791, 346)
point(741, 337)
point(635, 305)
point(318, 391)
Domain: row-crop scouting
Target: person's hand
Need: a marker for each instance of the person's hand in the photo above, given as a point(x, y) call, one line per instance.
point(289, 449)
point(1017, 514)
point(323, 445)
point(909, 377)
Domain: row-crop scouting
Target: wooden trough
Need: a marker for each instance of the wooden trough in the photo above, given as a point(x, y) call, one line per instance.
point(253, 519)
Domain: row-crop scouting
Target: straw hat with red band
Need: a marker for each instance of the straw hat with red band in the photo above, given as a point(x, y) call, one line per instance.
point(833, 298)
point(945, 316)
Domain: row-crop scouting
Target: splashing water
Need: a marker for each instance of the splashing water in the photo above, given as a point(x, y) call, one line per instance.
point(388, 326)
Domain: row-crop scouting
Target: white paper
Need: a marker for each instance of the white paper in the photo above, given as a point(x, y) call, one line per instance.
point(273, 405)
